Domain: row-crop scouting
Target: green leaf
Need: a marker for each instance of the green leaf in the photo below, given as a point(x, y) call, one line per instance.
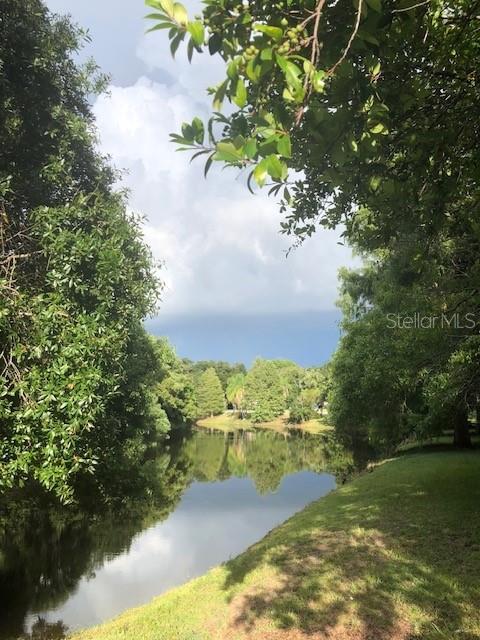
point(281, 61)
point(208, 164)
point(160, 25)
point(220, 95)
point(293, 75)
point(167, 6)
point(240, 97)
point(367, 37)
point(266, 132)
point(268, 147)
point(155, 4)
point(199, 130)
point(197, 31)
point(308, 66)
point(232, 70)
point(175, 43)
point(199, 153)
point(227, 152)
point(272, 32)
point(180, 14)
point(260, 172)
point(266, 54)
point(368, 104)
point(378, 109)
point(379, 128)
point(238, 142)
point(250, 148)
point(180, 140)
point(274, 166)
point(155, 16)
point(190, 49)
point(188, 132)
point(254, 71)
point(318, 81)
point(215, 43)
point(284, 146)
point(376, 5)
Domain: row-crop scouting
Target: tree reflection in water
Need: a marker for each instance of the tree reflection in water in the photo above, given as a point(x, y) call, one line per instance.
point(46, 549)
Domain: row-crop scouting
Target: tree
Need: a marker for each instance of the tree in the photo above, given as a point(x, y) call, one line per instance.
point(175, 388)
point(76, 278)
point(352, 94)
point(308, 393)
point(402, 367)
point(374, 105)
point(176, 395)
point(236, 391)
point(209, 394)
point(268, 461)
point(289, 373)
point(224, 370)
point(316, 385)
point(207, 455)
point(264, 398)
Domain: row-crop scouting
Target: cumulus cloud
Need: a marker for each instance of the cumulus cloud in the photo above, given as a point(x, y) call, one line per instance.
point(221, 246)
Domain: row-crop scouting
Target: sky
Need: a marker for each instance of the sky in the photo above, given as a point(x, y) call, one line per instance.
point(230, 290)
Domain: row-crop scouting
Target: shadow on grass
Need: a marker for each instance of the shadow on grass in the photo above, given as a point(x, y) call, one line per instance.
point(395, 555)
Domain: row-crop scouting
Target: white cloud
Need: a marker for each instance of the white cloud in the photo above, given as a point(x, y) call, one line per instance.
point(221, 245)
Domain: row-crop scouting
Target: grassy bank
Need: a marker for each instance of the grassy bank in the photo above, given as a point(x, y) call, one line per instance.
point(395, 554)
point(229, 422)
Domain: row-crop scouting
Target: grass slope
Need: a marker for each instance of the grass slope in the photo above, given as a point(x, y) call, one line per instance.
point(229, 422)
point(395, 554)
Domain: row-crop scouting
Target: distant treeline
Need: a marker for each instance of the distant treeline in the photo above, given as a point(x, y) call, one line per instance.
point(187, 391)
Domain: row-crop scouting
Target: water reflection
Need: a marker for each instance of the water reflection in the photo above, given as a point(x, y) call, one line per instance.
point(210, 497)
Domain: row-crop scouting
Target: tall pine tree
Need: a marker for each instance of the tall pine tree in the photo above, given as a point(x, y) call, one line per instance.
point(210, 397)
point(264, 392)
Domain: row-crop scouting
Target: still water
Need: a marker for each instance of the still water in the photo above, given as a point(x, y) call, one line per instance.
point(216, 494)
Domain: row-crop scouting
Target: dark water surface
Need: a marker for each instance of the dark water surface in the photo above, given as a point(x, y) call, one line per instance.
point(216, 494)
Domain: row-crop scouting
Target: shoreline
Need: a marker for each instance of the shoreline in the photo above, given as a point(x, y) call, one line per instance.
point(375, 556)
point(230, 423)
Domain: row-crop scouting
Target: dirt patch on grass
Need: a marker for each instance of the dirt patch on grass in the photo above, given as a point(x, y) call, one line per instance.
point(323, 587)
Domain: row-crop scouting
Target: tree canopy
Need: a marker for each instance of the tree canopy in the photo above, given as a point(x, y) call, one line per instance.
point(224, 370)
point(235, 392)
point(263, 391)
point(76, 278)
point(209, 393)
point(364, 117)
point(352, 95)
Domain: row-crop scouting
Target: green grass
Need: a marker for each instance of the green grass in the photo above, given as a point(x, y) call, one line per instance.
point(395, 554)
point(229, 422)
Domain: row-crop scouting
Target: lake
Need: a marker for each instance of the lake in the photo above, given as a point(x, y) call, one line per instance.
point(214, 495)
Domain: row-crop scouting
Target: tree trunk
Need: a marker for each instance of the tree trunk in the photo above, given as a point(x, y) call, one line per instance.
point(461, 433)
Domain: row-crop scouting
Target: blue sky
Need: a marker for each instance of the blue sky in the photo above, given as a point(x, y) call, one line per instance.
point(230, 291)
point(306, 338)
